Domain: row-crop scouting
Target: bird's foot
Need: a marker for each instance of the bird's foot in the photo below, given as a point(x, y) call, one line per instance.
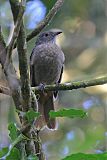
point(41, 87)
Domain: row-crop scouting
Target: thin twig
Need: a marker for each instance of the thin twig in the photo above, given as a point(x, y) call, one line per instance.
point(15, 35)
point(72, 85)
point(47, 20)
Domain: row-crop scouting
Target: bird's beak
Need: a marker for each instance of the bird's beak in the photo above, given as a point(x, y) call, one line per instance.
point(58, 32)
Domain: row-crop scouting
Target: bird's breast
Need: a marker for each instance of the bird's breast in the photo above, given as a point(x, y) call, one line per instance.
point(47, 65)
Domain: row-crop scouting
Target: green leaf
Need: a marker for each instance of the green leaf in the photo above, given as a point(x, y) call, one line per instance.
point(14, 154)
point(13, 131)
point(4, 151)
point(31, 115)
point(32, 157)
point(71, 113)
point(82, 156)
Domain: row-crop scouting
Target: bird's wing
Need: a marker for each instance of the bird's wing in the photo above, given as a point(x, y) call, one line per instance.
point(56, 92)
point(32, 80)
point(32, 72)
point(60, 75)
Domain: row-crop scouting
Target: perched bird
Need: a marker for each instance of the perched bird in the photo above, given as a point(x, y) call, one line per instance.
point(46, 67)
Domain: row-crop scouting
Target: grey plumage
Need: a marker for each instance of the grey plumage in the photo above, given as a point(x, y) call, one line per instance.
point(46, 67)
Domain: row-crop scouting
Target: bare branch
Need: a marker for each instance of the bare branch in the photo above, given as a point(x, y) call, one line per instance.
point(23, 68)
point(5, 90)
point(10, 73)
point(23, 62)
point(2, 49)
point(46, 21)
point(15, 35)
point(72, 85)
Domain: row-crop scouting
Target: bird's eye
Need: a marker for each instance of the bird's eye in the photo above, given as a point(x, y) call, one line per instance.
point(46, 34)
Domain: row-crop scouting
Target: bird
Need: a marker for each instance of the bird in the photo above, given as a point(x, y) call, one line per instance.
point(46, 68)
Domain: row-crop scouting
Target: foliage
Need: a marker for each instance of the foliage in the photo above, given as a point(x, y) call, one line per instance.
point(82, 156)
point(31, 115)
point(13, 154)
point(32, 157)
point(71, 113)
point(3, 152)
point(13, 131)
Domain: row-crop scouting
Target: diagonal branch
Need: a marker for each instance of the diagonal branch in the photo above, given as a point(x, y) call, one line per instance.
point(47, 20)
point(15, 35)
point(72, 85)
point(10, 73)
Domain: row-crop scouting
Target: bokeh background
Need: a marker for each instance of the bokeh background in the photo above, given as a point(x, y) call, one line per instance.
point(84, 42)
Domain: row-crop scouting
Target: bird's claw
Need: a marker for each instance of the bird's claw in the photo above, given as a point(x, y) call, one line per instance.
point(41, 87)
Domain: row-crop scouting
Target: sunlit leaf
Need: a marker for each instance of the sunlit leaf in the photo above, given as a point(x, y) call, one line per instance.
point(71, 113)
point(14, 154)
point(3, 152)
point(82, 156)
point(13, 131)
point(32, 157)
point(31, 115)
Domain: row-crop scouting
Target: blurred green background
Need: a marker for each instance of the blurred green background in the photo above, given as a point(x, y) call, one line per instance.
point(84, 42)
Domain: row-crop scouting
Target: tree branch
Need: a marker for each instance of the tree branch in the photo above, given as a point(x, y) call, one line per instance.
point(64, 86)
point(10, 74)
point(15, 35)
point(23, 67)
point(46, 21)
point(25, 82)
point(22, 53)
point(72, 85)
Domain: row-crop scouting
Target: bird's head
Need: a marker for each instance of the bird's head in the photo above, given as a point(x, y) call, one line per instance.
point(48, 36)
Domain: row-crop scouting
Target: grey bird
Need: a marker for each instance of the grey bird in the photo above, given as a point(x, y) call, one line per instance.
point(46, 67)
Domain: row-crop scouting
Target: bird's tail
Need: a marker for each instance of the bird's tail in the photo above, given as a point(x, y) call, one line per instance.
point(45, 104)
